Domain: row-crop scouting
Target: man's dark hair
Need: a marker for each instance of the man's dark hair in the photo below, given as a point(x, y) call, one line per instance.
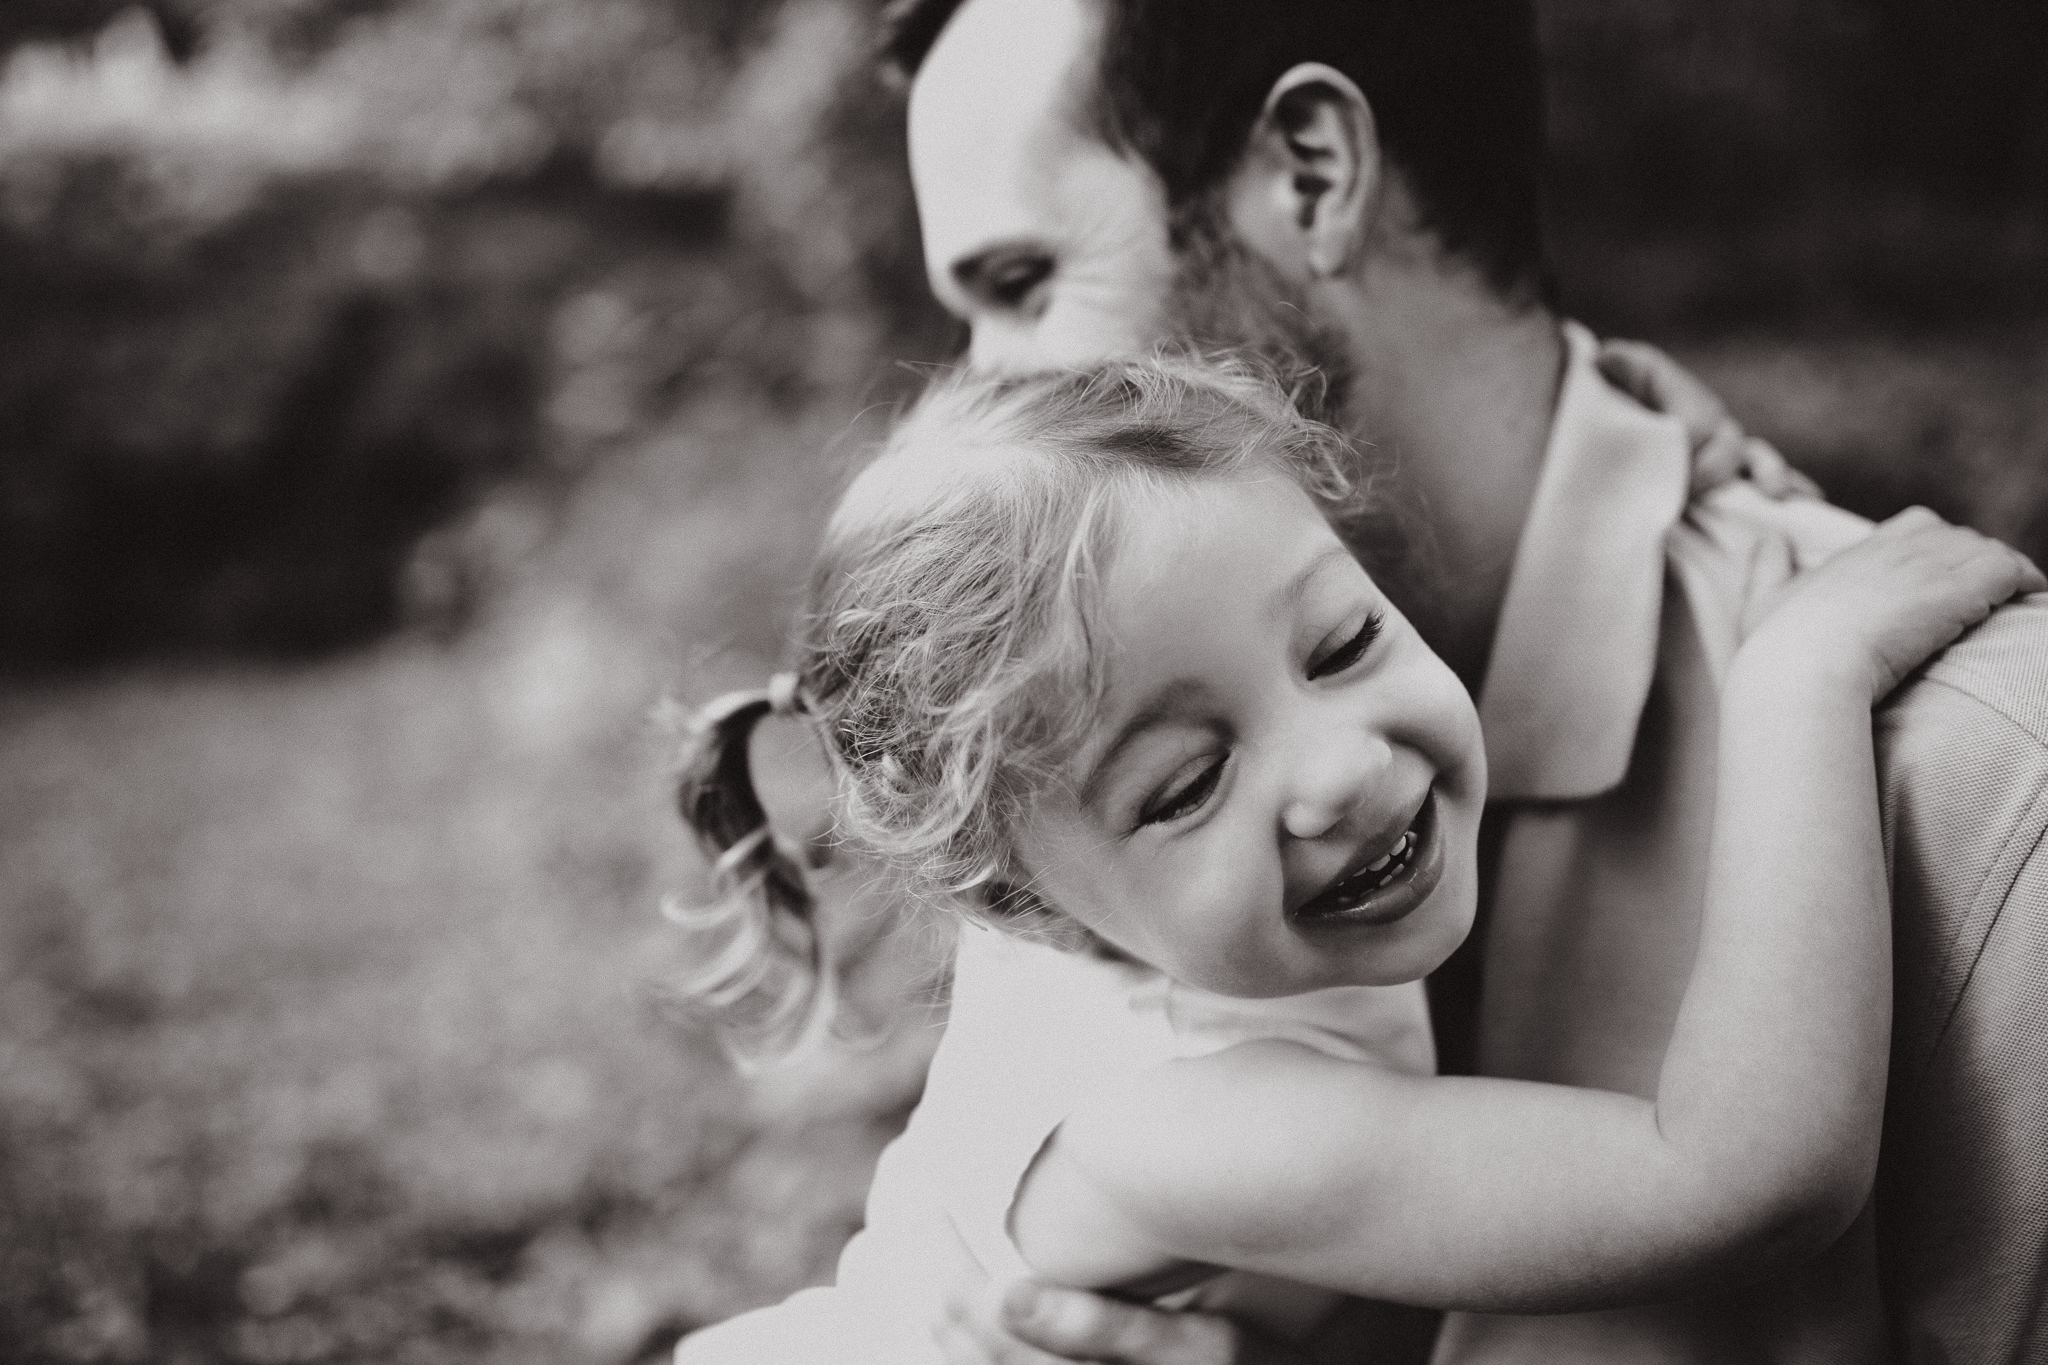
point(1455, 86)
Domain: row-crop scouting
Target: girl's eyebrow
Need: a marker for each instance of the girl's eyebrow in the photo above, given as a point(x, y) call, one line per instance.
point(1290, 592)
point(1163, 705)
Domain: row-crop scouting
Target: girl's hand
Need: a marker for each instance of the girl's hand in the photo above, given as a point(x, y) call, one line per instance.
point(1721, 451)
point(1881, 608)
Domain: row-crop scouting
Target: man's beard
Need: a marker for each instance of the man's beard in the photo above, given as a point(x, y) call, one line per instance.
point(1226, 297)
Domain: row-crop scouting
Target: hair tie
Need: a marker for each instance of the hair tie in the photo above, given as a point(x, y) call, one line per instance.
point(782, 697)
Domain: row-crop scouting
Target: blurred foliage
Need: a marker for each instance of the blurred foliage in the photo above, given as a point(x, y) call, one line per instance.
point(281, 305)
point(326, 1024)
point(292, 282)
point(1830, 164)
point(544, 328)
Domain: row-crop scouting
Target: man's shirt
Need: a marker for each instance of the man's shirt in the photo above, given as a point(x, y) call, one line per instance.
point(1600, 711)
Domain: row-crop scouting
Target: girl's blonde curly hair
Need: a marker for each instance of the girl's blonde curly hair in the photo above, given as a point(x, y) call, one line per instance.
point(948, 654)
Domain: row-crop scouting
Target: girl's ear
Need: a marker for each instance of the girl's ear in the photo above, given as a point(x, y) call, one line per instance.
point(1306, 190)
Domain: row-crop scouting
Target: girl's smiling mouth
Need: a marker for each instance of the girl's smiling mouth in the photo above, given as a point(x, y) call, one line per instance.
point(1386, 886)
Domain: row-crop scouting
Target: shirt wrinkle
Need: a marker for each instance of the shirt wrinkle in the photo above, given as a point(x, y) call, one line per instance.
point(2000, 873)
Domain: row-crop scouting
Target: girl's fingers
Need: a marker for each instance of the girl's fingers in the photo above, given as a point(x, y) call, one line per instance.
point(1913, 518)
point(1662, 385)
point(1721, 459)
point(2025, 572)
point(1721, 451)
point(1773, 473)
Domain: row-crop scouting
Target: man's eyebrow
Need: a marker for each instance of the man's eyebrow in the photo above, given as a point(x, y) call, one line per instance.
point(1162, 706)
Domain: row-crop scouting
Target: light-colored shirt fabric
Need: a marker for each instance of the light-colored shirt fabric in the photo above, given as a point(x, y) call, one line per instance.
point(1045, 1030)
point(1600, 710)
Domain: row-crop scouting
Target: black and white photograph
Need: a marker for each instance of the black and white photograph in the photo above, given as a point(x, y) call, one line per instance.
point(1003, 682)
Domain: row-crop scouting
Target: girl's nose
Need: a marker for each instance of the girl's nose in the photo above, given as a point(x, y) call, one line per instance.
point(1000, 345)
point(1334, 775)
point(1305, 821)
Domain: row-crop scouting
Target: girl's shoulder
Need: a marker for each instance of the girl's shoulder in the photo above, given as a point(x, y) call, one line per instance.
point(1033, 1006)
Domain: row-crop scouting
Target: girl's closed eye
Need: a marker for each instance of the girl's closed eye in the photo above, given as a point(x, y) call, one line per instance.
point(1327, 664)
point(1192, 784)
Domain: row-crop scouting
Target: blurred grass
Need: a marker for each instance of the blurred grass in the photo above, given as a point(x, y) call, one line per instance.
point(328, 1030)
point(399, 398)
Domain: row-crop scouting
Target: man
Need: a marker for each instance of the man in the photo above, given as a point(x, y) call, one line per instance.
point(1352, 185)
point(1355, 182)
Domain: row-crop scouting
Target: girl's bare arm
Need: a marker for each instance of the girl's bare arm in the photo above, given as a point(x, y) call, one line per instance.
point(1513, 1196)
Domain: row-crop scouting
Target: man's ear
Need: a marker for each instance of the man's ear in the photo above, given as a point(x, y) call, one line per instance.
point(1306, 189)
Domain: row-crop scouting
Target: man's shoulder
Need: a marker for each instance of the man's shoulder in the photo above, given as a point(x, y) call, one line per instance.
point(1963, 777)
point(1736, 548)
point(2001, 667)
point(1963, 759)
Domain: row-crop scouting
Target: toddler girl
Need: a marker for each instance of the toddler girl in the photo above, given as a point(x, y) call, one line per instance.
point(1095, 668)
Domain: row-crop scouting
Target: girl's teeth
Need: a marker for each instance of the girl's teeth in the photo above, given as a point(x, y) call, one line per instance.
point(1399, 850)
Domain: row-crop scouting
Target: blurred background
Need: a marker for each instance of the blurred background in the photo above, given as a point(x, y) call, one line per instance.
point(400, 398)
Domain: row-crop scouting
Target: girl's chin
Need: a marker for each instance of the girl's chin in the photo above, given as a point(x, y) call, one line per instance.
point(1422, 942)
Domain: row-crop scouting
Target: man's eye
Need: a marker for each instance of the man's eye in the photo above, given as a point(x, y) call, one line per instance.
point(1348, 653)
point(1011, 283)
point(1185, 793)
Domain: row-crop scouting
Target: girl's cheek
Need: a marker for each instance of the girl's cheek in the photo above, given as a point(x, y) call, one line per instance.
point(1449, 727)
point(1462, 750)
point(1235, 890)
point(1136, 901)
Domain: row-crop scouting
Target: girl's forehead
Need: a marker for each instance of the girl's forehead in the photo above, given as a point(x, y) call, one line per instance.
point(1205, 581)
point(1238, 524)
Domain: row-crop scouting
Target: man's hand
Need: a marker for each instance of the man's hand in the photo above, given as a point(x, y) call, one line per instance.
point(1721, 450)
point(1027, 1323)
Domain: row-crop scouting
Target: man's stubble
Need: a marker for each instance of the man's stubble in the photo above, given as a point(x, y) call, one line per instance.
point(1226, 298)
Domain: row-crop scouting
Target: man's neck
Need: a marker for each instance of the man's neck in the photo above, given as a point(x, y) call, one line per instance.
point(1454, 391)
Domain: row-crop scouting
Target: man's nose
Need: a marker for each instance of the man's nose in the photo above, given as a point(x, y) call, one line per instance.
point(1003, 346)
point(1334, 775)
point(1006, 343)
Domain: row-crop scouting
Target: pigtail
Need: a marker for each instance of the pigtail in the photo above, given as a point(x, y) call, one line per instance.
point(763, 979)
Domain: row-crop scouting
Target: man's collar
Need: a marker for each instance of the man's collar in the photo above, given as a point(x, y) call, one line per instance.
point(1576, 646)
